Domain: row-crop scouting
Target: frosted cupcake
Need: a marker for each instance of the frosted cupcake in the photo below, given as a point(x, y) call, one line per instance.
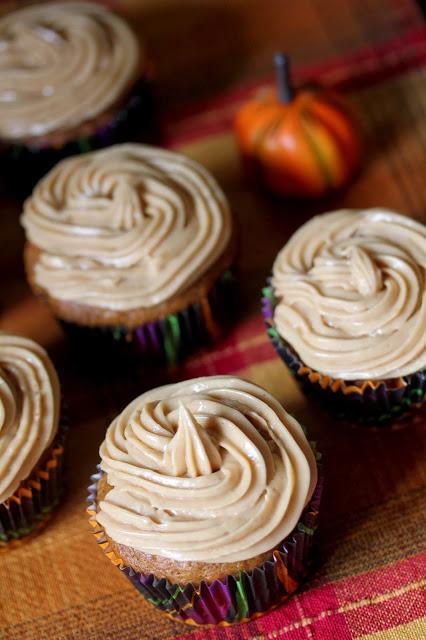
point(207, 498)
point(346, 310)
point(72, 79)
point(31, 439)
point(134, 244)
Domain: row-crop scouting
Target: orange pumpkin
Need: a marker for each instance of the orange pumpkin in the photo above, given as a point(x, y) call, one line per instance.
point(299, 144)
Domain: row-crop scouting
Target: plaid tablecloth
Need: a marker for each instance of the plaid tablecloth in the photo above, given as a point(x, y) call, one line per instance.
point(370, 575)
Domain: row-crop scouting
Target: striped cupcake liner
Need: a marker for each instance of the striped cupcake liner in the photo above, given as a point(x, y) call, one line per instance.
point(371, 403)
point(23, 165)
point(170, 339)
point(31, 506)
point(233, 598)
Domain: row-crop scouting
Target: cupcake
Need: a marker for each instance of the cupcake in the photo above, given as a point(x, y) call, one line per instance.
point(72, 79)
point(132, 247)
point(31, 438)
point(207, 498)
point(346, 310)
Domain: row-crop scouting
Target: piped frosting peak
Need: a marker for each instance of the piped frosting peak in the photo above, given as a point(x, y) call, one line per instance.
point(191, 452)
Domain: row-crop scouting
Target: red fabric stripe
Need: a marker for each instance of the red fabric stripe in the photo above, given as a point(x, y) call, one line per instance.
point(388, 614)
point(384, 579)
point(246, 345)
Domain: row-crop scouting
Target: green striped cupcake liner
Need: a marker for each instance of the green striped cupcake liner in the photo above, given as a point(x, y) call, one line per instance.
point(170, 339)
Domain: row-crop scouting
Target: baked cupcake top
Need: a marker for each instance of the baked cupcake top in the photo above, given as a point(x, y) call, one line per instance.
point(351, 292)
point(212, 470)
point(29, 409)
point(127, 227)
point(60, 65)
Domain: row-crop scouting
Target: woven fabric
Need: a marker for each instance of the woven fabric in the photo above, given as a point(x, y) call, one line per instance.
point(370, 575)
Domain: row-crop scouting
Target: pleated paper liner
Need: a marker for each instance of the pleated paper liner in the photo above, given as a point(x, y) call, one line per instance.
point(31, 506)
point(233, 598)
point(371, 403)
point(168, 340)
point(22, 165)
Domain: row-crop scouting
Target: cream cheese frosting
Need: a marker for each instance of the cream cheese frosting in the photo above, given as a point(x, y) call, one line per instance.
point(127, 227)
point(61, 65)
point(210, 470)
point(351, 294)
point(29, 409)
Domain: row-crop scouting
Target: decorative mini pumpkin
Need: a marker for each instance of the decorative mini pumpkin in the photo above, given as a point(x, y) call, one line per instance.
point(300, 144)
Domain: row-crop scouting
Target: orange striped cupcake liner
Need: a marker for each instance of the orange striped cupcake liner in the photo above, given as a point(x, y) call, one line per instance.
point(30, 507)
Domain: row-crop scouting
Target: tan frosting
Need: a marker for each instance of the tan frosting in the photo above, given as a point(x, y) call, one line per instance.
point(351, 292)
point(60, 65)
point(126, 227)
point(212, 470)
point(29, 409)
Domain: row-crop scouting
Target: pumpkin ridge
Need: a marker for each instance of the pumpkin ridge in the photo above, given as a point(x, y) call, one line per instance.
point(317, 153)
point(334, 131)
point(333, 134)
point(266, 131)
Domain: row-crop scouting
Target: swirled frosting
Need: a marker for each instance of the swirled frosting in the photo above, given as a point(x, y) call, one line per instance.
point(29, 409)
point(351, 291)
point(60, 65)
point(212, 470)
point(126, 227)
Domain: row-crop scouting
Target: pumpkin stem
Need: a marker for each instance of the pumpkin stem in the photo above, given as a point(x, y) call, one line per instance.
point(282, 69)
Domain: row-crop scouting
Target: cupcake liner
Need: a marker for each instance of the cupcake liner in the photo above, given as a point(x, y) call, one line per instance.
point(373, 403)
point(169, 339)
point(22, 165)
point(29, 508)
point(233, 598)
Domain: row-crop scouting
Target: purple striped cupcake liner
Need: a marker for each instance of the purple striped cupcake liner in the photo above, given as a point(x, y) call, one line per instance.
point(23, 165)
point(31, 506)
point(233, 598)
point(171, 338)
point(371, 403)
